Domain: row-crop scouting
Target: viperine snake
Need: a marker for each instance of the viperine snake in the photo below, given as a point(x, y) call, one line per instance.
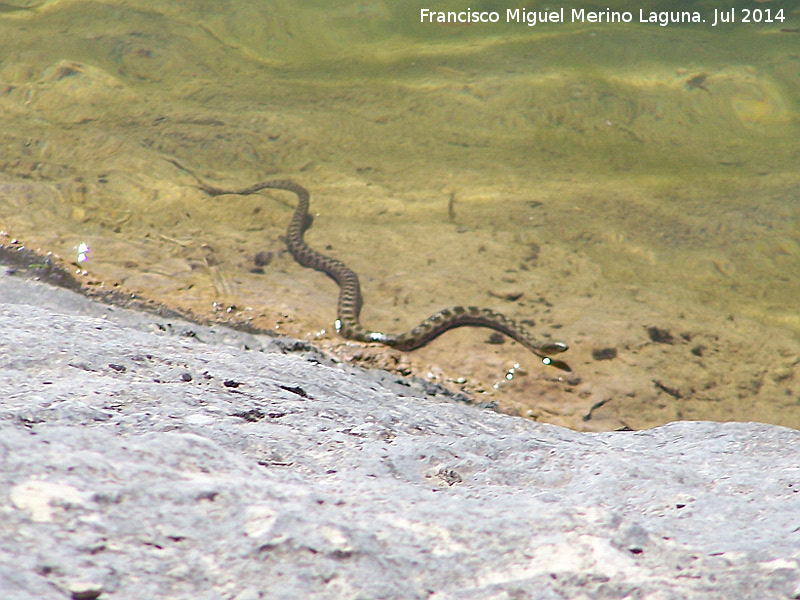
point(349, 308)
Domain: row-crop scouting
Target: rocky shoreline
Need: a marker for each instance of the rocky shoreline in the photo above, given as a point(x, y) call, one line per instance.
point(149, 457)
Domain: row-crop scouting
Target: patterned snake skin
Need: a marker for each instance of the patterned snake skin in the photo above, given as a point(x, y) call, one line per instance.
point(349, 308)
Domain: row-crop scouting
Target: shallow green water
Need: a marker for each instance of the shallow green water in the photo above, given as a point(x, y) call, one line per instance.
point(618, 176)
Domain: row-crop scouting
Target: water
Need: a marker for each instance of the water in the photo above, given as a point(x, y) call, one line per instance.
point(601, 180)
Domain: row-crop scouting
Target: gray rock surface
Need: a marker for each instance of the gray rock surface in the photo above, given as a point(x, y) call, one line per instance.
point(146, 458)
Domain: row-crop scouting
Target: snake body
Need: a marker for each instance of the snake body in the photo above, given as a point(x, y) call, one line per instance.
point(350, 300)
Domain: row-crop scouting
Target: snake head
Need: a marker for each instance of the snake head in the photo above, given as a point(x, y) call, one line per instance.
point(552, 347)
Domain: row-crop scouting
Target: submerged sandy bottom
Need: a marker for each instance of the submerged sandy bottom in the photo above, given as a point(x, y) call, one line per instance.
point(647, 223)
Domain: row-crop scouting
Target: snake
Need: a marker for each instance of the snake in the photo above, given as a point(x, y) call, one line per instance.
point(350, 301)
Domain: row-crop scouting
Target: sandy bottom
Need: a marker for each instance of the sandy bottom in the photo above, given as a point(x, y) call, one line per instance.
point(649, 224)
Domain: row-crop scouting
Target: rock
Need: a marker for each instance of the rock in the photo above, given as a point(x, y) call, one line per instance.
point(85, 590)
point(137, 482)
